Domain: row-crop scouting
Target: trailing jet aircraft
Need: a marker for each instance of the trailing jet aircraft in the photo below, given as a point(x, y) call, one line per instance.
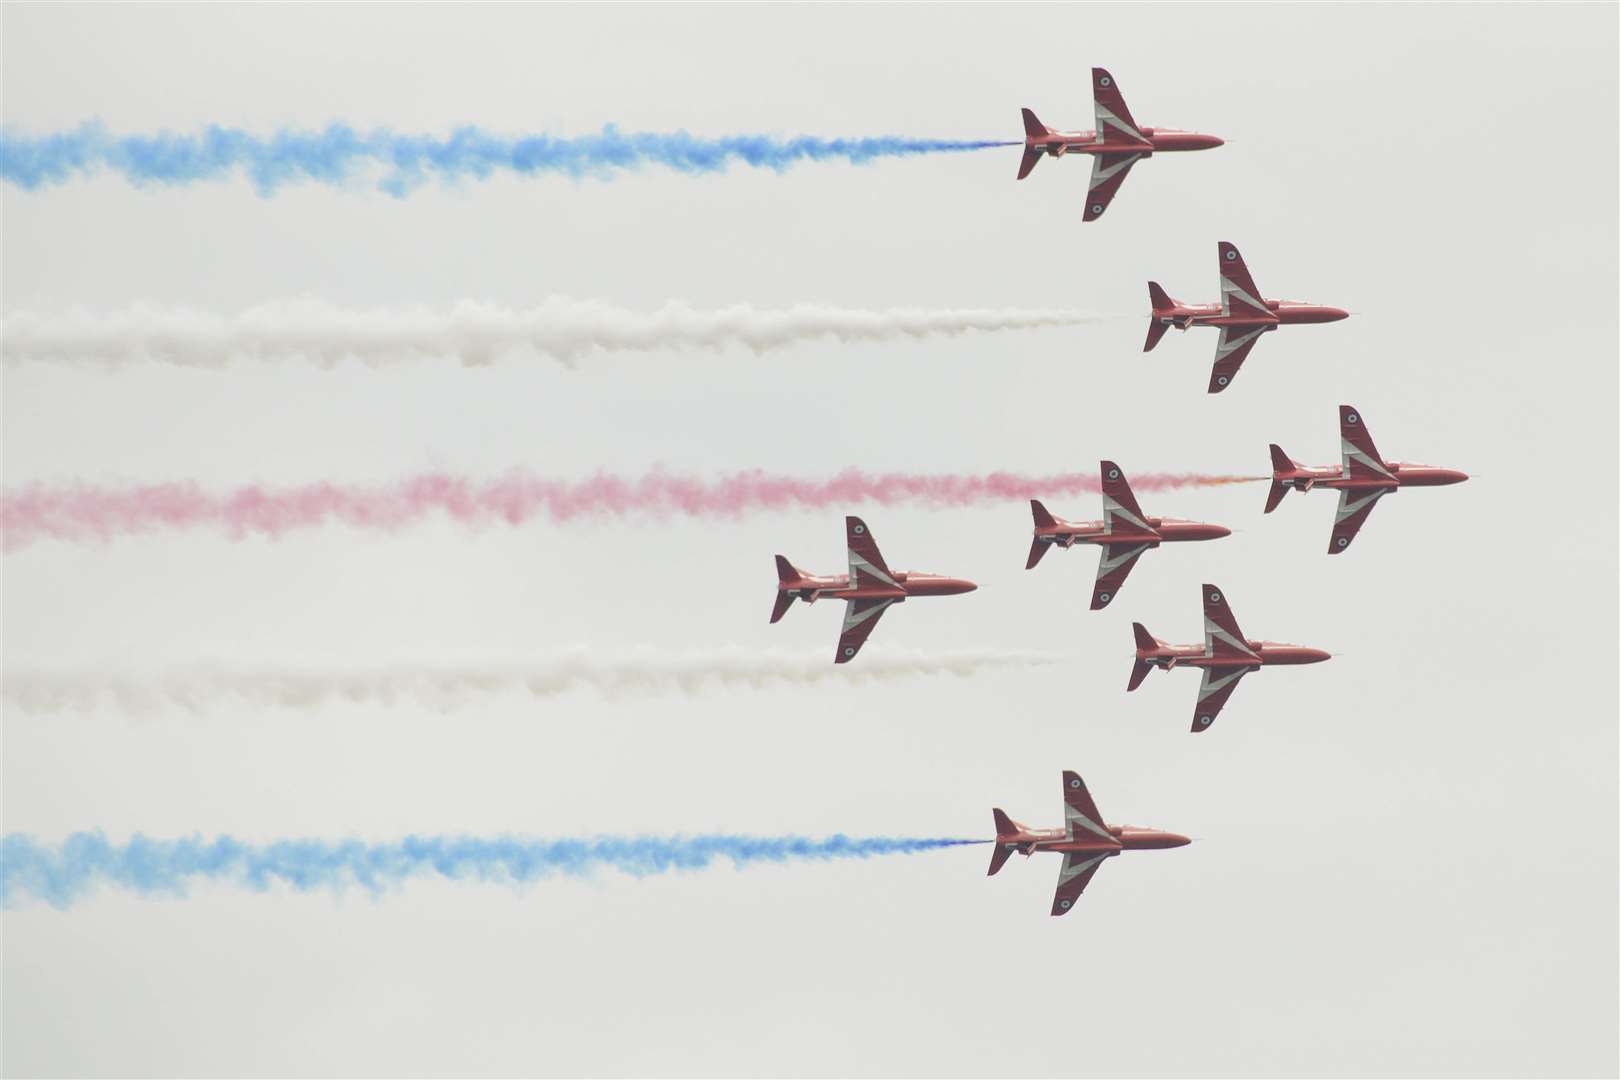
point(1242, 315)
point(1225, 657)
point(1116, 144)
point(1084, 841)
point(1361, 479)
point(1124, 533)
point(870, 588)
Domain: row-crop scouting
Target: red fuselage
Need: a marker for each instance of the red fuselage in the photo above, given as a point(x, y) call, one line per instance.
point(1266, 653)
point(1159, 140)
point(811, 587)
point(1283, 313)
point(1027, 841)
point(1305, 477)
point(1170, 530)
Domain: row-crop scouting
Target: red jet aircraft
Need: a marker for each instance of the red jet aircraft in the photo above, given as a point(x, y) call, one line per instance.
point(1084, 841)
point(1362, 479)
point(869, 587)
point(1243, 315)
point(1124, 533)
point(1226, 656)
point(1115, 146)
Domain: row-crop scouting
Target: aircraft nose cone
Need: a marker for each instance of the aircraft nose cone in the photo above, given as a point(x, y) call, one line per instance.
point(1216, 532)
point(1212, 141)
point(1176, 840)
point(1335, 314)
point(1315, 656)
point(1452, 476)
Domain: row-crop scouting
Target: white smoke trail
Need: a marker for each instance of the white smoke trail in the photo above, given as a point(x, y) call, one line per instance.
point(449, 686)
point(561, 329)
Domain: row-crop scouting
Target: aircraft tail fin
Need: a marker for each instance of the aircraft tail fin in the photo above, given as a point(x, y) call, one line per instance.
point(1043, 520)
point(1145, 643)
point(1033, 128)
point(786, 574)
point(1162, 306)
point(1006, 829)
point(1281, 465)
point(1005, 826)
point(1032, 158)
point(998, 857)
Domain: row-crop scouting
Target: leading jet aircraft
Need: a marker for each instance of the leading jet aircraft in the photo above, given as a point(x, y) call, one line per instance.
point(1123, 533)
point(1116, 144)
point(870, 588)
point(1084, 841)
point(1242, 316)
point(1225, 657)
point(1362, 478)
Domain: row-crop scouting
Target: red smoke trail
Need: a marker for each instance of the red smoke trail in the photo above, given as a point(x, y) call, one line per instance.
point(102, 513)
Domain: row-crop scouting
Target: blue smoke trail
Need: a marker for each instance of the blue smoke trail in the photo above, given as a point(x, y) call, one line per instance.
point(64, 873)
point(336, 154)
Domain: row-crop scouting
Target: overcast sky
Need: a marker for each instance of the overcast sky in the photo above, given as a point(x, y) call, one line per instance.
point(1405, 859)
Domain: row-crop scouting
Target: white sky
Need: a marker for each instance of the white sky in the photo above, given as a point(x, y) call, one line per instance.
point(1406, 858)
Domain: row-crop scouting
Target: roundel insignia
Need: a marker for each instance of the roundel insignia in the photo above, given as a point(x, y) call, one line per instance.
point(1064, 904)
point(1203, 721)
point(1214, 597)
point(1222, 380)
point(1104, 597)
point(1105, 81)
point(1096, 208)
point(1075, 782)
point(849, 650)
point(859, 529)
point(1113, 474)
point(1343, 541)
point(1230, 255)
point(1352, 418)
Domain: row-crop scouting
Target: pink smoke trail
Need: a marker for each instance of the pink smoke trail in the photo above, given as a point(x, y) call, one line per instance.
point(103, 513)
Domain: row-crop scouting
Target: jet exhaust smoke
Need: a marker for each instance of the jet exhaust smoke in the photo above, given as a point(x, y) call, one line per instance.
point(339, 155)
point(445, 687)
point(559, 328)
point(63, 873)
point(88, 512)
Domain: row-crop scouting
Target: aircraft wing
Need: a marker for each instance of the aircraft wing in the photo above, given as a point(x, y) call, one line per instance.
point(1120, 510)
point(1078, 868)
point(1108, 172)
point(860, 617)
point(1113, 117)
point(1116, 562)
point(1355, 506)
point(1081, 819)
point(1357, 453)
point(1230, 352)
point(1217, 686)
point(866, 565)
point(1223, 637)
point(1239, 294)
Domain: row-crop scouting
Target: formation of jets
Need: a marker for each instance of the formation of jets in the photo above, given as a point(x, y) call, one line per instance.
point(1241, 317)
